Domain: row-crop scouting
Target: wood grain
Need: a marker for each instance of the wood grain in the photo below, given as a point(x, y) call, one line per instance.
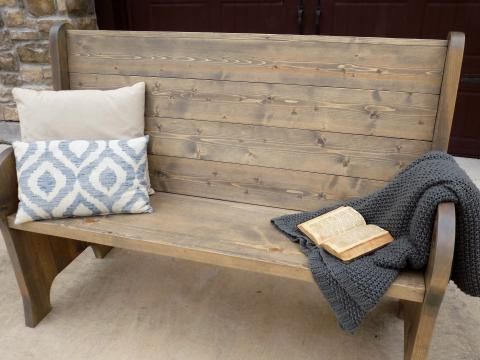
point(410, 68)
point(451, 79)
point(37, 259)
point(271, 37)
point(210, 231)
point(368, 112)
point(8, 183)
point(315, 151)
point(58, 55)
point(255, 185)
point(420, 317)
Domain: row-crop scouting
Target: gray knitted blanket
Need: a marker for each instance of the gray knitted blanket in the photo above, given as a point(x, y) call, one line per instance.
point(406, 207)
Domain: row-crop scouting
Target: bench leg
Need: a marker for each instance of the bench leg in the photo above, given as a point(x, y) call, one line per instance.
point(101, 251)
point(36, 260)
point(419, 322)
point(420, 317)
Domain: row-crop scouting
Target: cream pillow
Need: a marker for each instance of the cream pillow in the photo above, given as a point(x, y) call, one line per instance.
point(82, 114)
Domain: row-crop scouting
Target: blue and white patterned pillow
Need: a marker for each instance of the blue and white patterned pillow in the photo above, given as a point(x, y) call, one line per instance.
point(64, 178)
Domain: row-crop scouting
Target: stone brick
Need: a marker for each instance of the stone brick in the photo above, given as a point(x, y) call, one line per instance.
point(8, 2)
point(79, 7)
point(44, 25)
point(31, 73)
point(8, 61)
point(14, 17)
point(5, 43)
point(36, 74)
point(26, 34)
point(24, 55)
point(41, 7)
point(47, 74)
point(85, 23)
point(6, 94)
point(10, 78)
point(31, 22)
point(62, 6)
point(10, 112)
point(33, 53)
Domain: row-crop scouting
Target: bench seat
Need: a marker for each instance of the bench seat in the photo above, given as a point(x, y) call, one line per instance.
point(211, 231)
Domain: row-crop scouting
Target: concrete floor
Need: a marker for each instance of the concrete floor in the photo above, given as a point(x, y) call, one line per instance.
point(139, 306)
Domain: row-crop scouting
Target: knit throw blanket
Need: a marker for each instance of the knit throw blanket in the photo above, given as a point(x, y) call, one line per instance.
point(406, 207)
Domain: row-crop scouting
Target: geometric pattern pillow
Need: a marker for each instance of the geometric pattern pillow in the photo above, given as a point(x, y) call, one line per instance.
point(67, 178)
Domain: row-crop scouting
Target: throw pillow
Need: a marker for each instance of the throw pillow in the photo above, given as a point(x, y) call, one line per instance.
point(61, 178)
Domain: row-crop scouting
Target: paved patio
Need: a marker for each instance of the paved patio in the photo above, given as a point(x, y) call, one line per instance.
point(139, 306)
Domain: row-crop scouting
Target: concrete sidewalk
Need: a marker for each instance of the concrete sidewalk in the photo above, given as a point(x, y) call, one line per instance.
point(137, 306)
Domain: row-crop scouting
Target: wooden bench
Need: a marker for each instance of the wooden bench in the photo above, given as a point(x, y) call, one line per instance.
point(245, 128)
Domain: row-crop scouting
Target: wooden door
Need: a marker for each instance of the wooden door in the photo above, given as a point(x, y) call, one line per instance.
point(439, 18)
point(418, 19)
point(252, 16)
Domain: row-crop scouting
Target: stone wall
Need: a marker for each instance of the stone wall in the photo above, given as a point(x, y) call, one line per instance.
point(24, 55)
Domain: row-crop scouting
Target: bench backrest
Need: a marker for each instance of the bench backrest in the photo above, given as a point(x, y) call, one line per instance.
point(280, 120)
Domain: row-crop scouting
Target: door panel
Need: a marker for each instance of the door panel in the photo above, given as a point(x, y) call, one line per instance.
point(179, 16)
point(260, 16)
point(275, 17)
point(421, 19)
point(390, 18)
point(441, 17)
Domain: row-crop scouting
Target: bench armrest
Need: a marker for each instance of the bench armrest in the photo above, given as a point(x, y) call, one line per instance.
point(8, 183)
point(440, 261)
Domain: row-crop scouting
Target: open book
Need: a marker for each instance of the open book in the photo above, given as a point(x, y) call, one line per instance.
point(344, 233)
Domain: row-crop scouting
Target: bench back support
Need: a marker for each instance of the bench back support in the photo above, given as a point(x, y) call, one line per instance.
point(287, 121)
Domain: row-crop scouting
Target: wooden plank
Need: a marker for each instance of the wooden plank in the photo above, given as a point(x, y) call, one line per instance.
point(58, 54)
point(420, 318)
point(37, 259)
point(413, 68)
point(361, 156)
point(451, 78)
point(8, 183)
point(255, 185)
point(271, 37)
point(368, 112)
point(210, 231)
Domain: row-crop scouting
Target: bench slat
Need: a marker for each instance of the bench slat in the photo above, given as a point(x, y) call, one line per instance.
point(271, 37)
point(293, 60)
point(305, 150)
point(255, 185)
point(353, 111)
point(209, 231)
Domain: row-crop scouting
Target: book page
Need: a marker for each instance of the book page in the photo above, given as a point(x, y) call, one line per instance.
point(355, 237)
point(332, 224)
